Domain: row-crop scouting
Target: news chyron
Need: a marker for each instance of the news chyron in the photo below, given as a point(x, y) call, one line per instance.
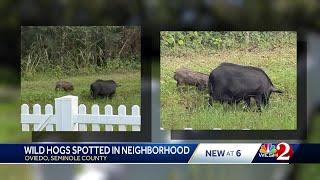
point(222, 153)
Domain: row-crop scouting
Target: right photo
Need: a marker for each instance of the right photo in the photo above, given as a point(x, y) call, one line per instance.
point(228, 80)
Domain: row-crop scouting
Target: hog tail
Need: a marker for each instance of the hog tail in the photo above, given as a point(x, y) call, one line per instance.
point(274, 89)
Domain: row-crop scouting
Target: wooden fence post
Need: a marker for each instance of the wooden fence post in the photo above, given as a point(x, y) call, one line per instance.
point(66, 108)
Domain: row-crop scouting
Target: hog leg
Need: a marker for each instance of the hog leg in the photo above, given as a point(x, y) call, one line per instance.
point(178, 83)
point(179, 87)
point(200, 87)
point(265, 99)
point(247, 103)
point(94, 94)
point(210, 101)
point(111, 95)
point(67, 89)
point(258, 99)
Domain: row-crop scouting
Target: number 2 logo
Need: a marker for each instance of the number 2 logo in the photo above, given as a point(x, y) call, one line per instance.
point(284, 151)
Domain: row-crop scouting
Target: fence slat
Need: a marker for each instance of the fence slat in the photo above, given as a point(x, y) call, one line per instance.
point(37, 111)
point(111, 119)
point(49, 111)
point(122, 113)
point(108, 111)
point(95, 111)
point(82, 110)
point(136, 114)
point(68, 116)
point(25, 111)
point(25, 127)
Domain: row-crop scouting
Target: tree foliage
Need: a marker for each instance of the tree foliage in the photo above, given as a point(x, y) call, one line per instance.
point(171, 41)
point(79, 49)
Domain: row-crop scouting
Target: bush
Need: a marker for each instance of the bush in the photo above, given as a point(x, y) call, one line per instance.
point(173, 42)
point(66, 50)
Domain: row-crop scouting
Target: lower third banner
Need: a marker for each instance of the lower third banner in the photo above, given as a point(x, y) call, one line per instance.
point(231, 153)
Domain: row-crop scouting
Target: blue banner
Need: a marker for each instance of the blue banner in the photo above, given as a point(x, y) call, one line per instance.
point(231, 153)
point(96, 153)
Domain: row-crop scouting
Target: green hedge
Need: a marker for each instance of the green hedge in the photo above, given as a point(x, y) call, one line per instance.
point(171, 41)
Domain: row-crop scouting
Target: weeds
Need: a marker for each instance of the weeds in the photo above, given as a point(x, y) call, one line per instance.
point(61, 51)
point(189, 108)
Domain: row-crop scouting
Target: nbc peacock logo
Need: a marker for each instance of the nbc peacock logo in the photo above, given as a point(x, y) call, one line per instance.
point(268, 150)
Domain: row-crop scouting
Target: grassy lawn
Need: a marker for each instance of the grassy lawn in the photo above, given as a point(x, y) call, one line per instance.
point(188, 108)
point(41, 90)
point(10, 121)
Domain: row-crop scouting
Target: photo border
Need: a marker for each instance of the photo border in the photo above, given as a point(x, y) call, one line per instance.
point(114, 136)
point(301, 130)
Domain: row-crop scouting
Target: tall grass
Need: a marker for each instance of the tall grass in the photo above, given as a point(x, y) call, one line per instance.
point(61, 51)
point(188, 108)
point(179, 43)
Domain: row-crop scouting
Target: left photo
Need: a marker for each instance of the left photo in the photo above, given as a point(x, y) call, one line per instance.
point(80, 78)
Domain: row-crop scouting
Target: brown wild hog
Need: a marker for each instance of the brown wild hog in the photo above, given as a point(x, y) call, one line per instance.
point(189, 77)
point(64, 85)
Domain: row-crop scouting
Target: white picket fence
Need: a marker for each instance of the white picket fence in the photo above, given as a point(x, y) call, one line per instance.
point(69, 116)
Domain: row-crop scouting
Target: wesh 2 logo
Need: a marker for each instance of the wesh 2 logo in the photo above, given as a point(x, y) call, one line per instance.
point(281, 151)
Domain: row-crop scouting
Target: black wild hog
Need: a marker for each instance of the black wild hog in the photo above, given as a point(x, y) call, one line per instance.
point(189, 77)
point(103, 88)
point(64, 85)
point(233, 83)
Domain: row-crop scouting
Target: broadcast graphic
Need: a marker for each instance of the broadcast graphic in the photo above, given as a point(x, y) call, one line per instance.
point(227, 153)
point(158, 90)
point(281, 152)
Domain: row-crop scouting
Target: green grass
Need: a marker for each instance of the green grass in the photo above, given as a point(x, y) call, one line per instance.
point(41, 90)
point(10, 121)
point(188, 108)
